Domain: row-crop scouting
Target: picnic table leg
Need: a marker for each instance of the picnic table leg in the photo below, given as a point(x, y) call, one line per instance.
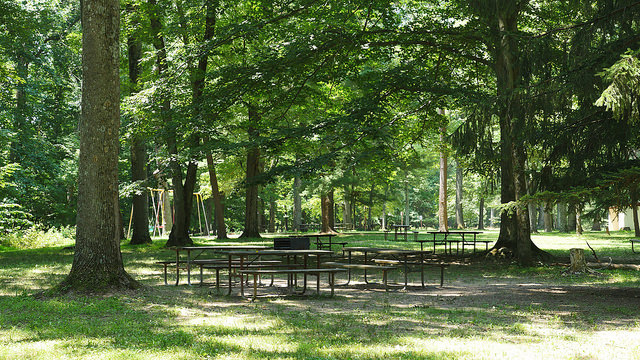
point(406, 272)
point(177, 267)
point(165, 273)
point(384, 279)
point(230, 275)
point(255, 286)
point(241, 276)
point(422, 268)
point(349, 270)
point(218, 280)
point(188, 267)
point(332, 281)
point(365, 270)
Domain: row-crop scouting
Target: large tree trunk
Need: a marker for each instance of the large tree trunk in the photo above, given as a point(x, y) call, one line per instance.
point(515, 227)
point(548, 217)
point(571, 217)
point(459, 210)
point(251, 219)
point(97, 262)
point(562, 217)
point(297, 203)
point(138, 148)
point(442, 202)
point(326, 205)
point(221, 228)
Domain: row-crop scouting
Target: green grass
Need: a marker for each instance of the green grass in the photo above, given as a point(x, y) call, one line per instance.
point(471, 318)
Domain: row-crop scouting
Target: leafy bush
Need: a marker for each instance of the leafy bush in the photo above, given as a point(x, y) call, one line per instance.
point(35, 237)
point(13, 218)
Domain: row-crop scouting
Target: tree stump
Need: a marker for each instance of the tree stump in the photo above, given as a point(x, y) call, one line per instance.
point(578, 261)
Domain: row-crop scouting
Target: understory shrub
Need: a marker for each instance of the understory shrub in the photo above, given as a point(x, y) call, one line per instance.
point(36, 237)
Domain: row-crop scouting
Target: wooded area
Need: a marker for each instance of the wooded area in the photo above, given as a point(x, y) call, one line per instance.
point(285, 114)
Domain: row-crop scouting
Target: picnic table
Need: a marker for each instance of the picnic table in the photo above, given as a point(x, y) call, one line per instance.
point(323, 240)
point(446, 240)
point(243, 259)
point(401, 229)
point(401, 256)
point(199, 250)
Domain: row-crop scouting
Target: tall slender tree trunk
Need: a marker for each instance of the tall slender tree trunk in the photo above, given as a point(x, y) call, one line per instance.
point(541, 210)
point(272, 216)
point(332, 215)
point(442, 202)
point(548, 217)
point(251, 219)
point(297, 203)
point(218, 213)
point(140, 215)
point(346, 214)
point(97, 262)
point(562, 217)
point(459, 194)
point(571, 217)
point(369, 216)
point(481, 214)
point(182, 193)
point(406, 199)
point(384, 208)
point(579, 229)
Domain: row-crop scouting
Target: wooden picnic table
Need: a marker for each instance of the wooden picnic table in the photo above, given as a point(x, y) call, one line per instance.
point(401, 255)
point(402, 229)
point(202, 249)
point(323, 240)
point(246, 257)
point(445, 240)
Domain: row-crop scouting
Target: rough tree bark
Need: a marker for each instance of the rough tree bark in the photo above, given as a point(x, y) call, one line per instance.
point(442, 195)
point(97, 262)
point(562, 217)
point(326, 205)
point(297, 203)
point(548, 217)
point(481, 214)
point(251, 221)
point(459, 190)
point(218, 213)
point(140, 234)
point(515, 227)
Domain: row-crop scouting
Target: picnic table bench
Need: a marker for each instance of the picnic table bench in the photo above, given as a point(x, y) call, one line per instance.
point(634, 241)
point(348, 266)
point(256, 272)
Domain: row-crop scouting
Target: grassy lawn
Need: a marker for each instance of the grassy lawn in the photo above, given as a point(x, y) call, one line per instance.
point(486, 310)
